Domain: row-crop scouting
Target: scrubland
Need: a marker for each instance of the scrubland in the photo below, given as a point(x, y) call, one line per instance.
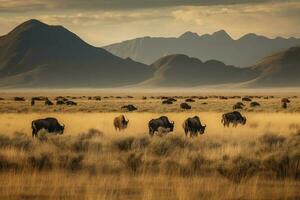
point(260, 160)
point(91, 160)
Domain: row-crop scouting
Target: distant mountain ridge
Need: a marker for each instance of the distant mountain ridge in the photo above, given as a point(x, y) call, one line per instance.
point(281, 69)
point(243, 52)
point(35, 54)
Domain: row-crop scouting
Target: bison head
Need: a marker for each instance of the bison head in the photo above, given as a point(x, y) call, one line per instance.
point(62, 128)
point(244, 120)
point(171, 126)
point(202, 129)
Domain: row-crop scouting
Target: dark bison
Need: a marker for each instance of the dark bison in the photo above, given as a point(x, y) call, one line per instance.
point(237, 106)
point(234, 117)
point(71, 103)
point(162, 122)
point(185, 106)
point(50, 124)
point(19, 99)
point(284, 105)
point(246, 99)
point(285, 100)
point(120, 123)
point(190, 100)
point(167, 102)
point(193, 126)
point(254, 104)
point(129, 107)
point(32, 102)
point(48, 102)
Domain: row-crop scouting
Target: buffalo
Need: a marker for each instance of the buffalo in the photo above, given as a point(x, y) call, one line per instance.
point(163, 122)
point(246, 99)
point(185, 106)
point(237, 106)
point(48, 102)
point(32, 102)
point(193, 126)
point(234, 117)
point(19, 99)
point(254, 104)
point(190, 100)
point(60, 102)
point(167, 102)
point(120, 123)
point(129, 107)
point(71, 103)
point(50, 124)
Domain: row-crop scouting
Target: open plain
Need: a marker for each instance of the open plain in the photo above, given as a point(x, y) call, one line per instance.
point(91, 160)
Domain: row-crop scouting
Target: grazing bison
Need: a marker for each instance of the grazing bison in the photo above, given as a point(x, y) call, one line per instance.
point(155, 124)
point(234, 117)
point(48, 103)
point(193, 126)
point(50, 124)
point(285, 100)
point(190, 100)
point(246, 99)
point(120, 123)
point(237, 106)
point(19, 99)
point(129, 107)
point(254, 104)
point(32, 102)
point(284, 105)
point(167, 102)
point(71, 103)
point(185, 106)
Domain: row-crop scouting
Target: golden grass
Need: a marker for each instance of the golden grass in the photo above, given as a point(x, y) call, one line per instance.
point(256, 161)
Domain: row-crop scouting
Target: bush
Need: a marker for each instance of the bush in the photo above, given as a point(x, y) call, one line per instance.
point(240, 169)
point(41, 161)
point(133, 162)
point(272, 139)
point(124, 144)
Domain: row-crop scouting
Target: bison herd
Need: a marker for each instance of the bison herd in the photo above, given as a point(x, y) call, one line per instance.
point(191, 125)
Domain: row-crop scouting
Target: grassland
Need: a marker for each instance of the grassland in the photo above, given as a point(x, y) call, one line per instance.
point(260, 160)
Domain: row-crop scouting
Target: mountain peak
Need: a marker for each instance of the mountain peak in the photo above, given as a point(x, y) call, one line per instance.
point(189, 35)
point(221, 34)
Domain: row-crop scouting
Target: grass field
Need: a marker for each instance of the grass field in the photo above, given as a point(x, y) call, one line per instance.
point(260, 160)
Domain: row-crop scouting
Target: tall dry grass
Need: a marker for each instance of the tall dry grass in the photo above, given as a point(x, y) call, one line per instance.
point(258, 161)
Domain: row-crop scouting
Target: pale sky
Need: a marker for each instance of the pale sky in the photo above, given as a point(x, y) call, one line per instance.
point(102, 22)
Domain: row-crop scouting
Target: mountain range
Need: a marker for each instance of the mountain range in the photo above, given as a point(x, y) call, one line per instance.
point(37, 55)
point(243, 52)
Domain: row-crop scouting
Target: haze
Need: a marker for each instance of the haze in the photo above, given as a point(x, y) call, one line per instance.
point(101, 22)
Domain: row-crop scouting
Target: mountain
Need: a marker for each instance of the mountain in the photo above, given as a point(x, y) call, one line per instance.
point(35, 54)
point(281, 69)
point(243, 52)
point(183, 71)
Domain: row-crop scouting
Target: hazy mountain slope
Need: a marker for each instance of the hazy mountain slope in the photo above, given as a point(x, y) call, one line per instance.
point(245, 51)
point(181, 70)
point(38, 55)
point(280, 69)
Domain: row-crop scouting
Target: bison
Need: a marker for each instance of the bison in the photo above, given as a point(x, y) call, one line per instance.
point(19, 99)
point(120, 123)
point(48, 102)
point(254, 104)
point(190, 100)
point(234, 117)
point(193, 126)
point(185, 106)
point(246, 99)
point(129, 107)
point(155, 124)
point(50, 124)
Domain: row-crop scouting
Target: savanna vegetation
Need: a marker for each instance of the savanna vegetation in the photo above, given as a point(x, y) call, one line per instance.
point(91, 160)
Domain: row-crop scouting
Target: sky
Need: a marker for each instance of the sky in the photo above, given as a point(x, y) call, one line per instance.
point(102, 22)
